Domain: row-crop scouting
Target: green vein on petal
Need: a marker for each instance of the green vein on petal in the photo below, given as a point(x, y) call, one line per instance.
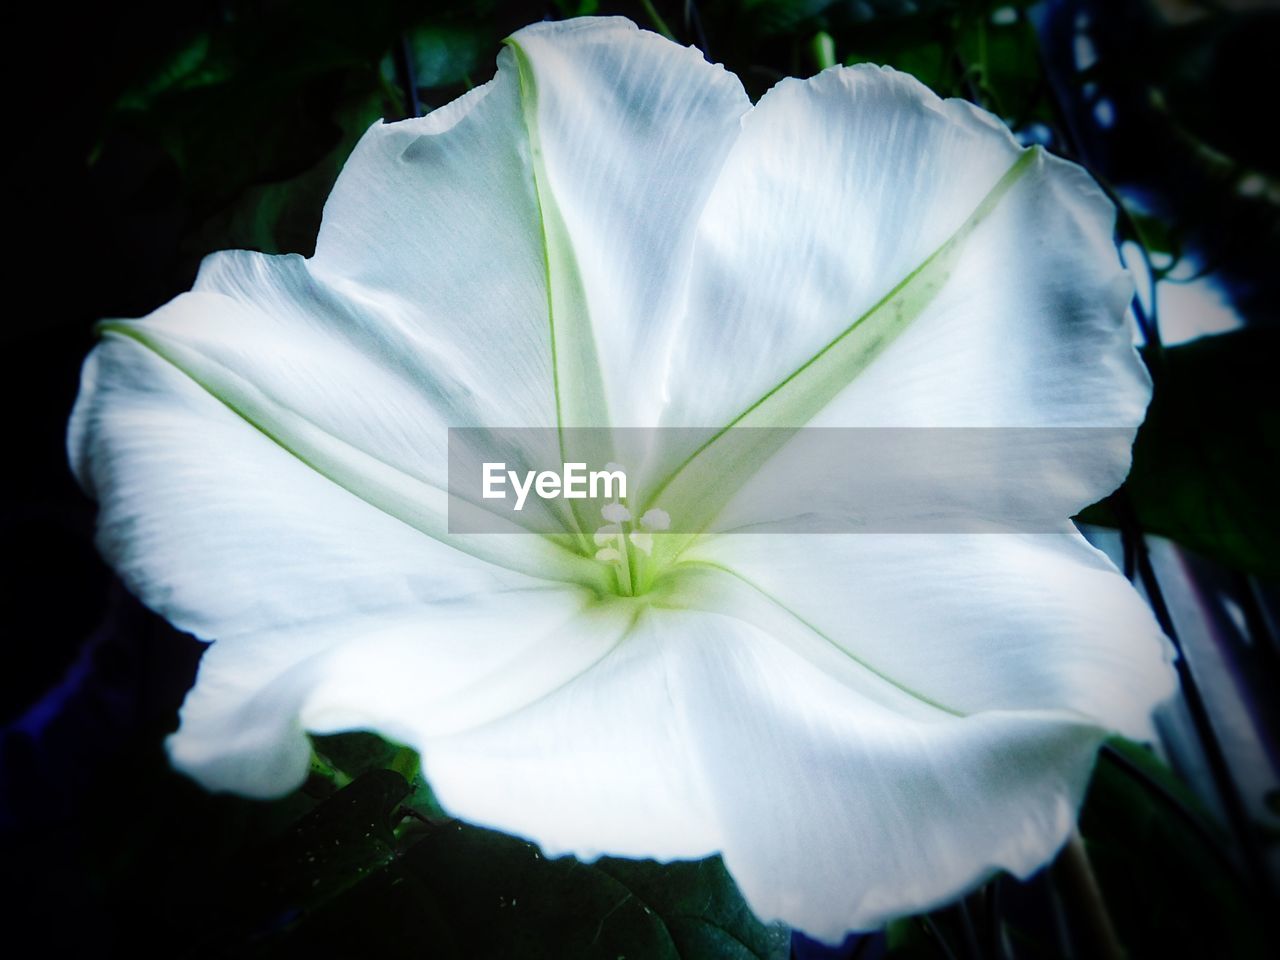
point(827, 655)
point(697, 489)
point(536, 673)
point(417, 503)
point(579, 387)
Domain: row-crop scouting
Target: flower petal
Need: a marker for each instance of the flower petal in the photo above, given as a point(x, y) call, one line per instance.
point(840, 813)
point(875, 256)
point(316, 425)
point(964, 623)
point(437, 668)
point(837, 801)
point(428, 282)
point(269, 450)
point(601, 766)
point(431, 246)
point(629, 133)
point(424, 308)
point(229, 535)
point(955, 691)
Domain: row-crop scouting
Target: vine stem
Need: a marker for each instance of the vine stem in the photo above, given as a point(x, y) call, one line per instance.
point(1092, 930)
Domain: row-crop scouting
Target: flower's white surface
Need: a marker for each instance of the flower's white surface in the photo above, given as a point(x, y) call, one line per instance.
point(863, 725)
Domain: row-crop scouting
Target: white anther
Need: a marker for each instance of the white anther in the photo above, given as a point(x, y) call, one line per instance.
point(615, 512)
point(606, 534)
point(642, 541)
point(608, 555)
point(655, 519)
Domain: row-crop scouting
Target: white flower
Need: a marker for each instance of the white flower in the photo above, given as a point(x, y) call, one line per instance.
point(864, 725)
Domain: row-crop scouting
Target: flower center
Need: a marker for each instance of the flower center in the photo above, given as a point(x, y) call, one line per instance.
point(625, 543)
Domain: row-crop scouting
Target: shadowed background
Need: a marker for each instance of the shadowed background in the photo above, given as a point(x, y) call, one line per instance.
point(142, 137)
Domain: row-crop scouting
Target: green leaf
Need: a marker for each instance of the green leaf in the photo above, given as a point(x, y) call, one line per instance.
point(905, 939)
point(928, 60)
point(191, 65)
point(769, 17)
point(261, 96)
point(1004, 64)
point(358, 752)
point(1206, 72)
point(1146, 836)
point(1206, 464)
point(283, 216)
point(700, 906)
point(372, 870)
point(333, 848)
point(444, 55)
point(460, 890)
point(1157, 235)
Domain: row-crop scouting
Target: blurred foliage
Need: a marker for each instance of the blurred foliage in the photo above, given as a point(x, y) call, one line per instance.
point(370, 869)
point(1160, 859)
point(1148, 836)
point(223, 124)
point(1204, 464)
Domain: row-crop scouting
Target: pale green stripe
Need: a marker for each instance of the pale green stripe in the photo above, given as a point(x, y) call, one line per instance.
point(816, 631)
point(421, 505)
point(578, 379)
point(697, 489)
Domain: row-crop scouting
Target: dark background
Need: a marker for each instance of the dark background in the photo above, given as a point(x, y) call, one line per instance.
point(140, 137)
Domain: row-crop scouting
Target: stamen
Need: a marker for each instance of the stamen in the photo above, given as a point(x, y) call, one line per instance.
point(620, 533)
point(655, 519)
point(615, 513)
